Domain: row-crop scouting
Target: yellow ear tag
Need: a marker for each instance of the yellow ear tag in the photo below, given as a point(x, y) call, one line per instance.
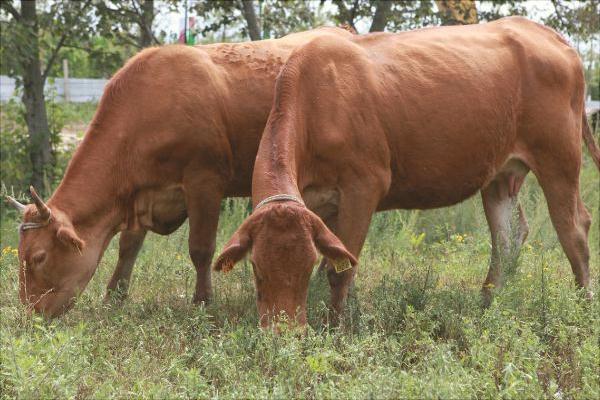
point(341, 264)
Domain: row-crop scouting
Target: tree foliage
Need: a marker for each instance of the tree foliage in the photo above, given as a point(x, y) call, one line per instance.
point(33, 37)
point(130, 22)
point(457, 12)
point(57, 25)
point(580, 20)
point(255, 20)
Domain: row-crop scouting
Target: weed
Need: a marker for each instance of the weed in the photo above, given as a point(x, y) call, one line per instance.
point(415, 326)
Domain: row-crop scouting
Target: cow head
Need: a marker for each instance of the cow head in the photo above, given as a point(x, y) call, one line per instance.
point(54, 265)
point(284, 239)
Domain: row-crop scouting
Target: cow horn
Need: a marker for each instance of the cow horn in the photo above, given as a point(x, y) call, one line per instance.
point(43, 209)
point(13, 202)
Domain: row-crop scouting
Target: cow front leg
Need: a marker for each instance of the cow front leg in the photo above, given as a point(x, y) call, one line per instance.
point(203, 202)
point(352, 225)
point(130, 243)
point(331, 223)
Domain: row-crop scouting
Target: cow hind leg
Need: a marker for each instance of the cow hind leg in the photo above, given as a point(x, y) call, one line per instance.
point(130, 244)
point(571, 221)
point(508, 226)
point(557, 168)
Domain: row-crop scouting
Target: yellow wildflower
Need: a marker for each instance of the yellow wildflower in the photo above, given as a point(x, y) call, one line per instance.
point(458, 238)
point(416, 240)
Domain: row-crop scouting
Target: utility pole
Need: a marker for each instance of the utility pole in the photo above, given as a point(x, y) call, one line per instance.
point(66, 93)
point(185, 22)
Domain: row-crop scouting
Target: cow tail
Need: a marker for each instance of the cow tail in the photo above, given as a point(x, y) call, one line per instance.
point(588, 138)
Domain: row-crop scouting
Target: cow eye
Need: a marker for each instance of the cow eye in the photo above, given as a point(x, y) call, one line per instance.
point(39, 257)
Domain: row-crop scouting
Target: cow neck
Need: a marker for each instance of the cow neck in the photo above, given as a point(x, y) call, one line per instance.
point(276, 166)
point(88, 192)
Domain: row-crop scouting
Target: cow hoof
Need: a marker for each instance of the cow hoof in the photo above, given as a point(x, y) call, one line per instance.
point(486, 297)
point(201, 300)
point(114, 297)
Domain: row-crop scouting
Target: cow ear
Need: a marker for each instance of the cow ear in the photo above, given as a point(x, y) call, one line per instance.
point(331, 246)
point(234, 250)
point(68, 236)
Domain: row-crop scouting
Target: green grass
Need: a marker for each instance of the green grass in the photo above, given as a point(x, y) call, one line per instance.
point(414, 326)
point(78, 112)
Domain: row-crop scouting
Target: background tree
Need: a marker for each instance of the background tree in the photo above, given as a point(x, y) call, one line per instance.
point(396, 15)
point(491, 10)
point(97, 57)
point(380, 18)
point(377, 11)
point(240, 19)
point(580, 20)
point(122, 28)
point(129, 22)
point(457, 12)
point(251, 21)
point(33, 37)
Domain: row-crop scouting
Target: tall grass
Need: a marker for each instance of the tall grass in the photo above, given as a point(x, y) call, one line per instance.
point(414, 326)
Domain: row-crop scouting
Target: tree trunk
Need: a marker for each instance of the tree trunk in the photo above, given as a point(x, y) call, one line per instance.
point(40, 151)
point(251, 21)
point(457, 12)
point(381, 15)
point(346, 16)
point(146, 20)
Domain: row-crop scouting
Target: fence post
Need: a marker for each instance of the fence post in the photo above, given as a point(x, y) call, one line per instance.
point(66, 94)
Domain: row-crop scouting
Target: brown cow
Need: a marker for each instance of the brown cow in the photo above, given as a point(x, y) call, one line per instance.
point(176, 130)
point(419, 119)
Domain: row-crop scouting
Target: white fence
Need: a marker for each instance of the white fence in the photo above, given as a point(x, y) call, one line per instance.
point(78, 90)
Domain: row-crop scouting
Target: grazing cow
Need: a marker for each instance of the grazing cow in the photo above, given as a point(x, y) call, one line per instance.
point(419, 119)
point(176, 130)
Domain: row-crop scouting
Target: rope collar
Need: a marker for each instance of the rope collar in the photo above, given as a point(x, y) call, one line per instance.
point(34, 225)
point(279, 197)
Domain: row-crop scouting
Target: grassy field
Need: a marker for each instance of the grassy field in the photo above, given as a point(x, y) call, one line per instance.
point(414, 328)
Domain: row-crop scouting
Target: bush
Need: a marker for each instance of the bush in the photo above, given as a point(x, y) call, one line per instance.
point(14, 155)
point(15, 170)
